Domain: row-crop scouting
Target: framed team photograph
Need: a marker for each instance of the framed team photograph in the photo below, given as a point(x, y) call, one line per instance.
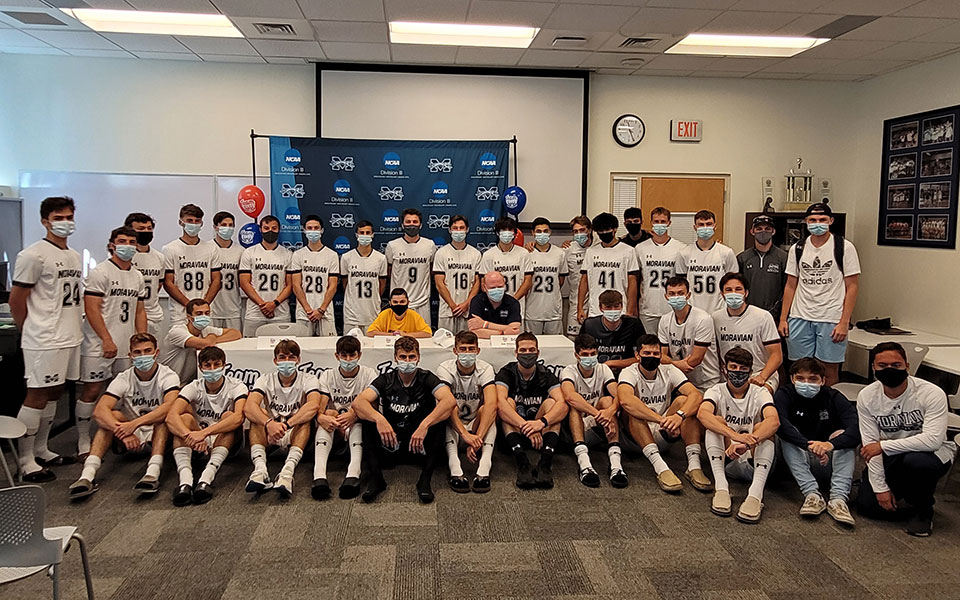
point(935, 195)
point(904, 135)
point(936, 163)
point(933, 228)
point(899, 227)
point(900, 197)
point(938, 130)
point(902, 166)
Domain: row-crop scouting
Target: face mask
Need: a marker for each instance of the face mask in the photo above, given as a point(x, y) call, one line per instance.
point(144, 363)
point(606, 237)
point(763, 237)
point(201, 321)
point(144, 237)
point(660, 228)
point(704, 233)
point(287, 367)
point(213, 375)
point(458, 236)
point(506, 237)
point(349, 365)
point(496, 294)
point(192, 229)
point(411, 230)
point(398, 309)
point(406, 367)
point(738, 378)
point(364, 240)
point(581, 238)
point(818, 228)
point(542, 238)
point(313, 236)
point(634, 228)
point(588, 362)
point(467, 359)
point(891, 377)
point(807, 390)
point(612, 315)
point(63, 229)
point(650, 363)
point(527, 360)
point(733, 299)
point(270, 237)
point(225, 233)
point(677, 302)
point(124, 252)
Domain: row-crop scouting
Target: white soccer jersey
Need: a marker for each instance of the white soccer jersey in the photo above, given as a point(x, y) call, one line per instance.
point(467, 389)
point(120, 290)
point(544, 302)
point(175, 354)
point(820, 287)
point(751, 331)
point(591, 388)
point(361, 298)
point(268, 270)
point(608, 268)
point(704, 269)
point(150, 264)
point(741, 414)
point(411, 265)
point(513, 265)
point(54, 306)
point(228, 303)
point(191, 266)
point(135, 397)
point(657, 393)
point(680, 338)
point(341, 390)
point(315, 269)
point(571, 287)
point(459, 269)
point(280, 402)
point(209, 408)
point(658, 263)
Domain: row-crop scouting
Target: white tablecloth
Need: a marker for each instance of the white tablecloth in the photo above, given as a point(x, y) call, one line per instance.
point(246, 362)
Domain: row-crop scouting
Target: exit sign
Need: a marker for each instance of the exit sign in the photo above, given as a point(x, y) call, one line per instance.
point(683, 130)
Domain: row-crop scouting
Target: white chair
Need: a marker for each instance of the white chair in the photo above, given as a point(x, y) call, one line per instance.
point(11, 429)
point(915, 355)
point(27, 547)
point(953, 419)
point(285, 329)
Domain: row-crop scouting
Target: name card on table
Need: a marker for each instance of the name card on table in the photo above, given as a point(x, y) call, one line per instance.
point(269, 342)
point(384, 341)
point(503, 341)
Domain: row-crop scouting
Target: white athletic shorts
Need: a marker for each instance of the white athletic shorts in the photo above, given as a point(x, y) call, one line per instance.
point(229, 323)
point(322, 328)
point(94, 369)
point(48, 368)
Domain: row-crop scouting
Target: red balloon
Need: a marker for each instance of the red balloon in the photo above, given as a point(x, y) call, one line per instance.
point(518, 238)
point(251, 201)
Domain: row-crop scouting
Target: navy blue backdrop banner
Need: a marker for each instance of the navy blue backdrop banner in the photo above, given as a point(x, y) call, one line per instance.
point(346, 181)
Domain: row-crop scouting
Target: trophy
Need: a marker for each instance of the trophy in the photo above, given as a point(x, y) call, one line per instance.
point(799, 188)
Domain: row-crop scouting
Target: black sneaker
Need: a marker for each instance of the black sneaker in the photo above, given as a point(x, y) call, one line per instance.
point(375, 487)
point(320, 489)
point(203, 493)
point(544, 477)
point(589, 477)
point(525, 478)
point(183, 496)
point(481, 485)
point(919, 526)
point(459, 484)
point(350, 488)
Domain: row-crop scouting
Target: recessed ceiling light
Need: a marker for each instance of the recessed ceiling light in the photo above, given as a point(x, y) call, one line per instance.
point(168, 23)
point(744, 45)
point(458, 34)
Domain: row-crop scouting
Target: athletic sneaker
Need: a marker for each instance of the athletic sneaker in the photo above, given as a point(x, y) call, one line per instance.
point(589, 477)
point(669, 482)
point(525, 479)
point(813, 506)
point(750, 510)
point(259, 482)
point(698, 480)
point(837, 508)
point(543, 477)
point(148, 485)
point(721, 504)
point(82, 488)
point(284, 485)
point(618, 478)
point(919, 526)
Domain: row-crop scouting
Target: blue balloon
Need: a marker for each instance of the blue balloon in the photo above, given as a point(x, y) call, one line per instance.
point(249, 235)
point(514, 199)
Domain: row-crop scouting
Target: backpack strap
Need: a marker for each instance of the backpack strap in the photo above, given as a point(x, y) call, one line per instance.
point(838, 251)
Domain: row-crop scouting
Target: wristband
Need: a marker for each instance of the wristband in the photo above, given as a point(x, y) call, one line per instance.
point(546, 423)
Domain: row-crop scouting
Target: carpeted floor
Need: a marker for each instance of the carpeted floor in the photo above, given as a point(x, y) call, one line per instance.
point(569, 542)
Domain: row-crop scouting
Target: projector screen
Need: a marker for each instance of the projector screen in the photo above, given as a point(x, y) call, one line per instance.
point(546, 114)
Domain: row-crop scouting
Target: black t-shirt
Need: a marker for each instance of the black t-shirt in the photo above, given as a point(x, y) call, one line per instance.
point(508, 311)
point(644, 236)
point(405, 407)
point(617, 344)
point(528, 394)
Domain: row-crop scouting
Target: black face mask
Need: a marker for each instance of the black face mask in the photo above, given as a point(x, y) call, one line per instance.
point(411, 230)
point(650, 363)
point(398, 309)
point(270, 237)
point(738, 378)
point(527, 360)
point(891, 377)
point(606, 237)
point(634, 228)
point(144, 237)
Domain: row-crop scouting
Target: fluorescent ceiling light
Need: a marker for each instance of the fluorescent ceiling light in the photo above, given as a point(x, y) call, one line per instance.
point(140, 21)
point(744, 45)
point(453, 34)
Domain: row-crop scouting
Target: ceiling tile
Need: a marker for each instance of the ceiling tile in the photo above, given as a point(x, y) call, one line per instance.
point(912, 51)
point(112, 4)
point(274, 9)
point(595, 39)
point(612, 59)
point(666, 40)
point(949, 9)
point(709, 4)
point(679, 21)
point(84, 40)
point(635, 3)
point(31, 50)
point(553, 58)
point(421, 53)
point(834, 77)
point(231, 58)
point(749, 22)
point(136, 42)
point(502, 12)
point(742, 65)
point(585, 17)
point(434, 11)
point(804, 65)
point(14, 38)
point(294, 49)
point(681, 62)
point(101, 53)
point(724, 74)
point(4, 25)
point(189, 56)
point(844, 48)
point(949, 34)
point(215, 45)
point(24, 4)
point(488, 56)
point(284, 60)
point(247, 26)
point(805, 24)
point(779, 5)
point(614, 71)
point(864, 7)
point(343, 10)
point(356, 51)
point(350, 31)
point(191, 6)
point(67, 23)
point(895, 29)
point(774, 75)
point(662, 73)
point(866, 67)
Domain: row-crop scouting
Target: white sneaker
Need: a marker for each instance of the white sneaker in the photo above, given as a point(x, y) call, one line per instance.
point(259, 482)
point(837, 508)
point(813, 506)
point(284, 485)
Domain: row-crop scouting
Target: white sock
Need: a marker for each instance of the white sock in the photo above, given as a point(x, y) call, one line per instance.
point(217, 455)
point(693, 456)
point(355, 437)
point(258, 454)
point(84, 414)
point(486, 455)
point(182, 456)
point(583, 456)
point(90, 468)
point(154, 465)
point(653, 455)
point(613, 453)
point(762, 461)
point(453, 457)
point(715, 452)
point(322, 445)
point(293, 459)
point(30, 417)
point(40, 449)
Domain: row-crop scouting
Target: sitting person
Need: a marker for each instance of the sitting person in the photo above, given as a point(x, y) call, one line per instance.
point(494, 312)
point(184, 339)
point(398, 319)
point(818, 426)
point(903, 425)
point(615, 332)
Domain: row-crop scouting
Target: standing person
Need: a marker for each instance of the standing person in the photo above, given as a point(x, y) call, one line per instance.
point(544, 310)
point(582, 230)
point(45, 304)
point(745, 325)
point(190, 267)
point(149, 261)
point(687, 337)
point(823, 279)
point(113, 302)
point(315, 271)
point(227, 307)
point(409, 261)
point(903, 425)
point(265, 278)
point(633, 221)
point(657, 258)
point(494, 312)
point(705, 262)
point(610, 266)
point(615, 332)
point(196, 333)
point(455, 269)
point(364, 273)
point(399, 319)
point(765, 267)
point(510, 260)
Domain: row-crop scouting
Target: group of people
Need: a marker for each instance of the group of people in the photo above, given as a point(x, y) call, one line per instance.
point(672, 342)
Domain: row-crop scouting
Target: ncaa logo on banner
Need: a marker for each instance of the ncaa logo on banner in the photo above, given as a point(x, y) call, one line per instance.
point(391, 219)
point(292, 157)
point(391, 161)
point(487, 166)
point(342, 221)
point(487, 219)
point(291, 219)
point(439, 241)
point(341, 188)
point(440, 190)
point(341, 245)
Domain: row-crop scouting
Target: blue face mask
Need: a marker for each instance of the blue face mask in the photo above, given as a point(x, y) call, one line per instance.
point(705, 233)
point(63, 229)
point(733, 299)
point(496, 294)
point(225, 233)
point(467, 359)
point(192, 229)
point(818, 228)
point(660, 228)
point(287, 367)
point(144, 363)
point(677, 302)
point(313, 236)
point(364, 240)
point(406, 367)
point(506, 237)
point(124, 252)
point(588, 362)
point(542, 238)
point(201, 321)
point(213, 375)
point(349, 365)
point(612, 315)
point(458, 236)
point(581, 238)
point(807, 390)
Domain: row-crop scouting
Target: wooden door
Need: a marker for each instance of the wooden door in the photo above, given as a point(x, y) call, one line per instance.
point(683, 195)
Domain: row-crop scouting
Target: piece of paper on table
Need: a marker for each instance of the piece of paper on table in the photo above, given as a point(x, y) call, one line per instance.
point(503, 341)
